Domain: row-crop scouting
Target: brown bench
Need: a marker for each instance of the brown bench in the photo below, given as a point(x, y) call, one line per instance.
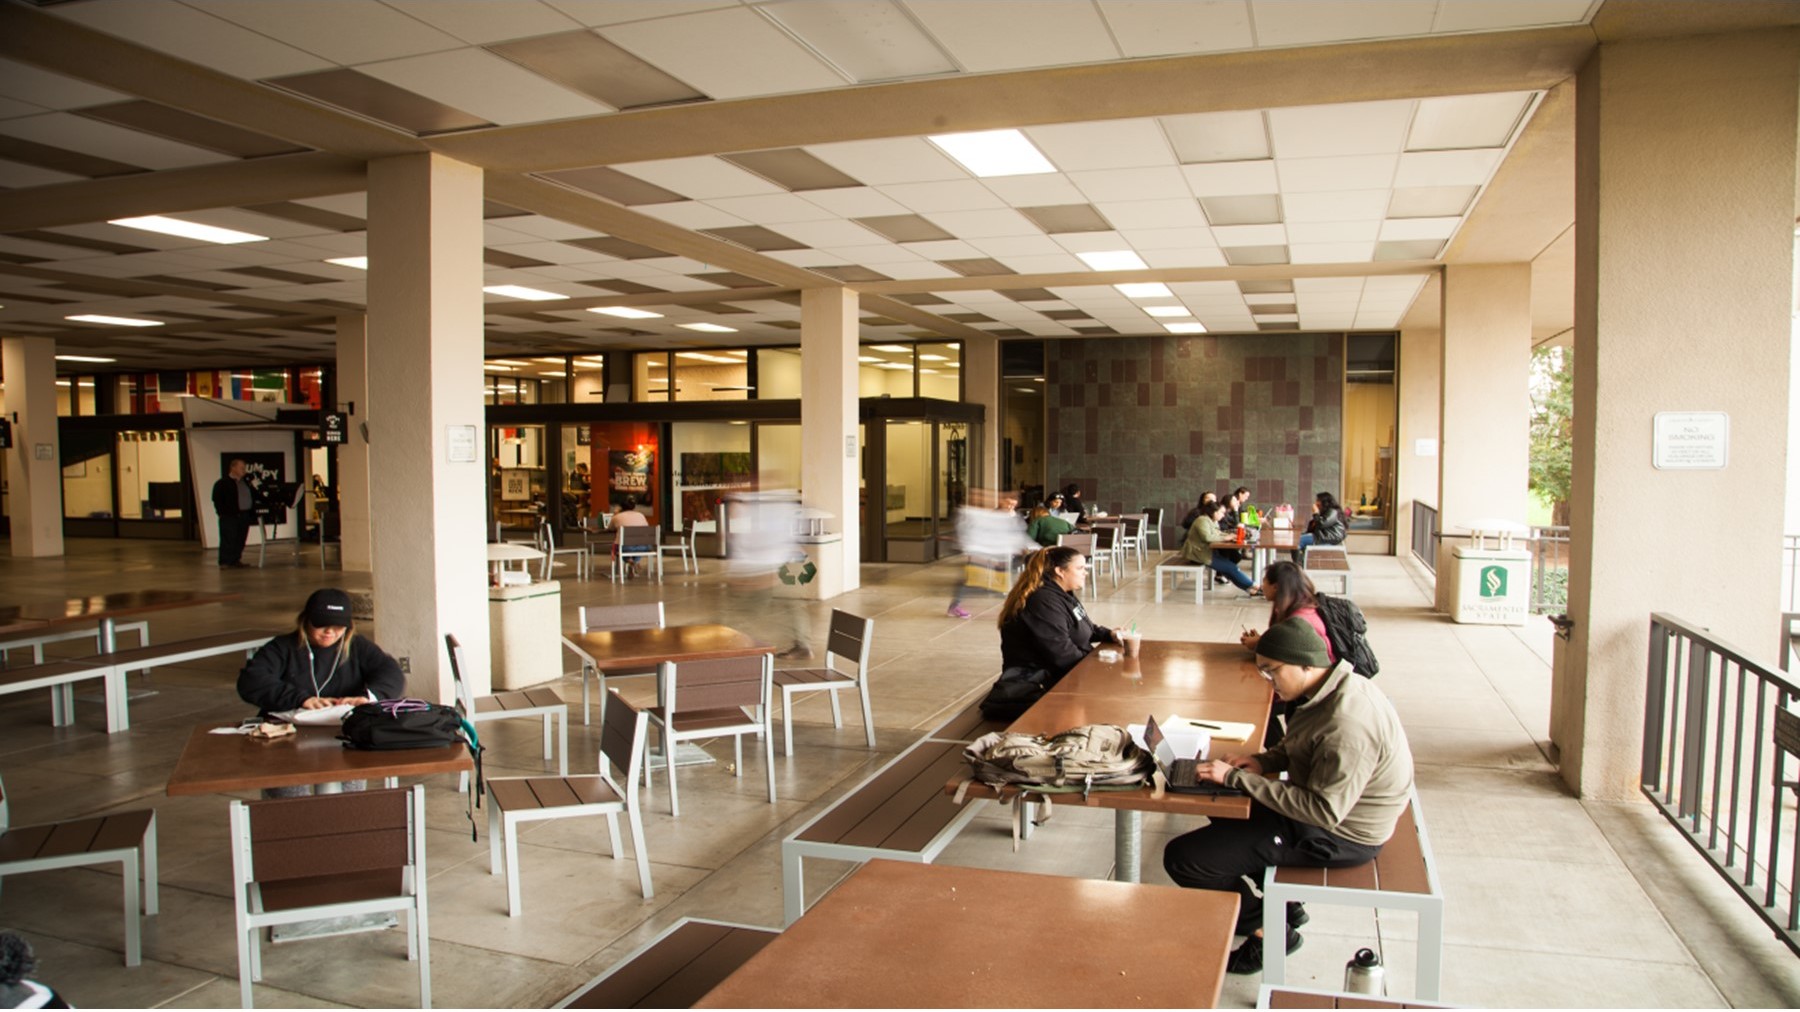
point(900, 813)
point(1402, 877)
point(675, 969)
point(967, 725)
point(60, 678)
point(1281, 997)
point(126, 837)
point(1329, 562)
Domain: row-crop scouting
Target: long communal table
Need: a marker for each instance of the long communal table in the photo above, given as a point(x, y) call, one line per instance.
point(933, 936)
point(1211, 681)
point(101, 609)
point(222, 763)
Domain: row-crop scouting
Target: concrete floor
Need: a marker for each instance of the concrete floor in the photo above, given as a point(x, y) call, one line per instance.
point(1552, 901)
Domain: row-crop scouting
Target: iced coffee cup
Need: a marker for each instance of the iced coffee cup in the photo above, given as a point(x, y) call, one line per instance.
point(1132, 642)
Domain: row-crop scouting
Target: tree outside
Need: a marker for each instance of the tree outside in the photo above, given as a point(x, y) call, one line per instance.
point(1552, 456)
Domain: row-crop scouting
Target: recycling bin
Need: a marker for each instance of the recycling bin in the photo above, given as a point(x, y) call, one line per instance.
point(1489, 585)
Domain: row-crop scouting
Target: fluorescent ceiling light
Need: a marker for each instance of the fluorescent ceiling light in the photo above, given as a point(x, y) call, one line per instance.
point(1167, 311)
point(551, 360)
point(558, 375)
point(66, 383)
point(890, 348)
point(934, 358)
point(893, 365)
point(83, 358)
point(708, 328)
point(521, 292)
point(994, 153)
point(188, 229)
point(928, 372)
point(508, 361)
point(114, 321)
point(1185, 328)
point(653, 363)
point(360, 263)
point(867, 358)
point(1113, 260)
point(1026, 390)
point(625, 312)
point(1146, 290)
point(491, 367)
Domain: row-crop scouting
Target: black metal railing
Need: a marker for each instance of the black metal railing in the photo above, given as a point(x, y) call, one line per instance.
point(1549, 569)
point(1718, 736)
point(1424, 534)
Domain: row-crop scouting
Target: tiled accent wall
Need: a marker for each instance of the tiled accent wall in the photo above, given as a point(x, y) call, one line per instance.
point(1150, 421)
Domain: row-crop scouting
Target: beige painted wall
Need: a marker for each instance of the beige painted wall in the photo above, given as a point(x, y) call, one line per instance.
point(1415, 472)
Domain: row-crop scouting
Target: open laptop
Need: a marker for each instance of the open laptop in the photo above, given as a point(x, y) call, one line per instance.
point(1179, 774)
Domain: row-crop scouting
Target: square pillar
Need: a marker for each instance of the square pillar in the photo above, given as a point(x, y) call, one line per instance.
point(424, 349)
point(830, 454)
point(981, 385)
point(1684, 214)
point(34, 464)
point(1420, 410)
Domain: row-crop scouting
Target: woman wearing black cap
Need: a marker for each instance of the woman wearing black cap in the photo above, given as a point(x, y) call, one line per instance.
point(322, 663)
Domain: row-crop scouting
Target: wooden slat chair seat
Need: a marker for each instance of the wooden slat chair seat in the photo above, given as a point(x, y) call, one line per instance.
point(847, 646)
point(1402, 877)
point(543, 704)
point(515, 800)
point(37, 643)
point(1295, 997)
point(711, 699)
point(900, 812)
point(60, 678)
point(329, 855)
point(1328, 563)
point(126, 837)
point(675, 969)
point(610, 618)
point(1174, 566)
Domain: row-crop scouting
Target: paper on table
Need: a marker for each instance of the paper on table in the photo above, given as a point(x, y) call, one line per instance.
point(326, 715)
point(1223, 730)
point(232, 730)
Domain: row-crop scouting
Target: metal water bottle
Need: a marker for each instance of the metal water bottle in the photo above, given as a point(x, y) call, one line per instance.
point(1364, 973)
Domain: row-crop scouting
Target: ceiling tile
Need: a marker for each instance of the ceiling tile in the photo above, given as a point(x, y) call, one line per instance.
point(871, 40)
point(342, 31)
point(1180, 212)
point(1264, 209)
point(482, 21)
point(1250, 235)
point(1243, 256)
point(1018, 245)
point(756, 237)
point(379, 100)
point(1442, 168)
point(10, 109)
point(1352, 128)
point(612, 12)
point(1360, 205)
point(1065, 218)
point(1229, 179)
point(851, 273)
point(1308, 22)
point(949, 249)
point(984, 223)
point(702, 178)
point(16, 175)
point(1486, 15)
point(1410, 249)
point(855, 202)
point(615, 186)
point(343, 203)
point(976, 267)
point(1332, 231)
point(692, 214)
point(1265, 287)
point(730, 53)
point(983, 37)
point(1115, 144)
point(1307, 287)
point(1168, 238)
point(891, 160)
point(586, 63)
point(187, 128)
point(1431, 201)
point(1419, 228)
point(1052, 264)
point(1184, 257)
point(1090, 242)
point(805, 257)
point(1331, 252)
point(828, 233)
point(612, 246)
point(1035, 191)
point(482, 84)
point(103, 140)
point(56, 159)
point(1467, 121)
point(1131, 184)
point(948, 195)
point(1157, 28)
point(905, 228)
point(43, 88)
point(921, 270)
point(1330, 175)
point(1217, 136)
point(883, 255)
point(793, 169)
point(541, 227)
point(193, 35)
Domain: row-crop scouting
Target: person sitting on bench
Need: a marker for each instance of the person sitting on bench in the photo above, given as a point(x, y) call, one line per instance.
point(1199, 548)
point(1350, 776)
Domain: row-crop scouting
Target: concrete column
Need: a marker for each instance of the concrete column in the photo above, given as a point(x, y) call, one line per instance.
point(1420, 410)
point(425, 345)
point(1685, 203)
point(354, 546)
point(829, 450)
point(34, 464)
point(1484, 425)
point(981, 385)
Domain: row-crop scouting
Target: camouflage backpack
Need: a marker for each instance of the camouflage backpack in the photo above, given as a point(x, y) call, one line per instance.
point(1094, 757)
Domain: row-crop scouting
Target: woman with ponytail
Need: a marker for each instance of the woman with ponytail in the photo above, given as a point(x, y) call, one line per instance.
point(1044, 631)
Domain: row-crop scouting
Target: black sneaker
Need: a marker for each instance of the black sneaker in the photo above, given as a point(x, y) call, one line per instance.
point(1297, 915)
point(1248, 957)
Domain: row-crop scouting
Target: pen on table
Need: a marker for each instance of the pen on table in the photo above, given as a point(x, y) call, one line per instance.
point(1202, 723)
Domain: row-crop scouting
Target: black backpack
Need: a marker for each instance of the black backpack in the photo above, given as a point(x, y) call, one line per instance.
point(1345, 626)
point(387, 724)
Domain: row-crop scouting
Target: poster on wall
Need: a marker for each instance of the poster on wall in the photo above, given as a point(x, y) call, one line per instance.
point(263, 472)
point(629, 472)
point(706, 477)
point(515, 485)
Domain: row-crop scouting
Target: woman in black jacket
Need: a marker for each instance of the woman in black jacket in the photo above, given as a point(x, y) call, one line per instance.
point(1326, 526)
point(1042, 624)
point(322, 663)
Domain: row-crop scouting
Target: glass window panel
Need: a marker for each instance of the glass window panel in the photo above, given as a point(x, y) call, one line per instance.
point(721, 375)
point(650, 379)
point(579, 498)
point(885, 370)
point(1022, 442)
point(149, 476)
point(710, 459)
point(777, 373)
point(1370, 420)
point(777, 455)
point(907, 501)
point(87, 473)
point(517, 476)
point(940, 371)
point(588, 384)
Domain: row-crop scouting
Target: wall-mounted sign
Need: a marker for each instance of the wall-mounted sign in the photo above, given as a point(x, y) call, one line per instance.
point(334, 428)
point(1425, 447)
point(460, 440)
point(5, 434)
point(1691, 440)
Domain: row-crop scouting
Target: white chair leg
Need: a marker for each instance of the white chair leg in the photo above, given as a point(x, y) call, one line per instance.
point(768, 764)
point(737, 754)
point(247, 943)
point(787, 721)
point(862, 687)
point(643, 855)
point(494, 855)
point(509, 840)
point(128, 871)
point(1274, 933)
point(151, 902)
point(562, 742)
point(793, 885)
point(549, 742)
point(837, 713)
point(612, 832)
point(1431, 952)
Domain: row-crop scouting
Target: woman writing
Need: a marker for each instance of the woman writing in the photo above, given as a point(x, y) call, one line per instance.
point(321, 664)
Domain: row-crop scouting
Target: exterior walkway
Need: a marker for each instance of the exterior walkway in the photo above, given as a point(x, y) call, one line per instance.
point(1551, 901)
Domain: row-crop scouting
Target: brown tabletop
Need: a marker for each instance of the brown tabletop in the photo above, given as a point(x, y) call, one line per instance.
point(95, 607)
point(217, 763)
point(646, 648)
point(1205, 681)
point(923, 935)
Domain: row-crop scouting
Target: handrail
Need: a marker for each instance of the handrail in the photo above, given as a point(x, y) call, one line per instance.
point(1714, 763)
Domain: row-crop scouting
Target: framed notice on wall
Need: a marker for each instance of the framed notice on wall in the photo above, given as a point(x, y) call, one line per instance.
point(515, 485)
point(1691, 440)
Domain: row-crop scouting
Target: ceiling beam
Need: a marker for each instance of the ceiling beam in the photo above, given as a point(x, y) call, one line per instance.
point(920, 317)
point(1088, 279)
point(171, 191)
point(1129, 89)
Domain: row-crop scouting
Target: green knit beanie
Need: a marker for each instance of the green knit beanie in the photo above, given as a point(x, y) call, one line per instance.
point(1294, 642)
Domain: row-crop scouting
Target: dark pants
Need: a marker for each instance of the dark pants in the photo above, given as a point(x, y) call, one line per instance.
point(1230, 855)
point(233, 530)
point(1228, 569)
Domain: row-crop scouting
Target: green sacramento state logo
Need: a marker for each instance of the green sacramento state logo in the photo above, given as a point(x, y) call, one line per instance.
point(1493, 581)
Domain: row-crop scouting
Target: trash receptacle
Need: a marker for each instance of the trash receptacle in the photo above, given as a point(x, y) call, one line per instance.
point(1489, 581)
point(816, 571)
point(525, 634)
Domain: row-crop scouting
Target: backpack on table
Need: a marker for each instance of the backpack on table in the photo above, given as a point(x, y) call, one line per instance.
point(1093, 757)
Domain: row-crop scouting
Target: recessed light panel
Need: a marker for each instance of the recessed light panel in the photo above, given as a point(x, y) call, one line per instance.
point(1146, 290)
point(994, 153)
point(359, 263)
point(708, 328)
point(1113, 260)
point(83, 358)
point(626, 312)
point(1185, 328)
point(114, 321)
point(187, 229)
point(521, 292)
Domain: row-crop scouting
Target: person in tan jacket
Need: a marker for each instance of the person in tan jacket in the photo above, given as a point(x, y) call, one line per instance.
point(1349, 777)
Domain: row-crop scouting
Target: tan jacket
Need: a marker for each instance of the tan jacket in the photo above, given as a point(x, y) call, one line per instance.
point(1349, 768)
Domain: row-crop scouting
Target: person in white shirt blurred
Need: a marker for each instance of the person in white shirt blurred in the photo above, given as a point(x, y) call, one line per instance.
point(762, 542)
point(992, 536)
